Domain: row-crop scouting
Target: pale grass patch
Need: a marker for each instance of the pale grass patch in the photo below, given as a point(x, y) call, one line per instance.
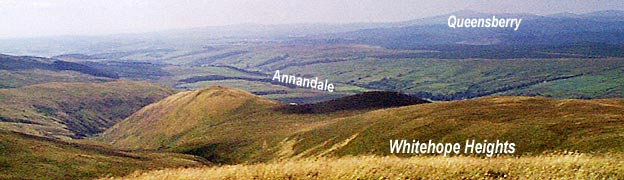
point(339, 145)
point(575, 166)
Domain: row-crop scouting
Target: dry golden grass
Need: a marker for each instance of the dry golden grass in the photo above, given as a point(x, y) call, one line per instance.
point(569, 166)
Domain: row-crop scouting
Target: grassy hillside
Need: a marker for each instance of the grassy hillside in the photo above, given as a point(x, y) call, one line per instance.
point(73, 110)
point(221, 124)
point(231, 126)
point(535, 125)
point(216, 120)
point(30, 157)
point(175, 115)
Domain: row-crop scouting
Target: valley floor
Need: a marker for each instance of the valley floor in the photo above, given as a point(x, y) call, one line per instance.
point(547, 166)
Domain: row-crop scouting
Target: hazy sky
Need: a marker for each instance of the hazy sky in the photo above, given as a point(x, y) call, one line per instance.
point(31, 18)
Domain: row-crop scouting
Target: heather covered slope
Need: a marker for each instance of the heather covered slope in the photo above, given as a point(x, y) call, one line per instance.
point(231, 126)
point(74, 110)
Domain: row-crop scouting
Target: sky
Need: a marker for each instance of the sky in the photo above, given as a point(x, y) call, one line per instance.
point(37, 18)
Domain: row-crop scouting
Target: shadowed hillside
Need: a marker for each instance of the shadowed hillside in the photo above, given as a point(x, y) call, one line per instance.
point(366, 100)
point(74, 110)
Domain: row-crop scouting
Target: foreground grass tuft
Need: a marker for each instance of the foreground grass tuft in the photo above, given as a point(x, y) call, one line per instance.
point(576, 166)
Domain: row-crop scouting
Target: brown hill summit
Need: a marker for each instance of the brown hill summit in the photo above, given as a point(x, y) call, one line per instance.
point(184, 116)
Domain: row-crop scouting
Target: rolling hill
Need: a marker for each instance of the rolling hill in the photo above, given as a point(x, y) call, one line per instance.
point(73, 110)
point(231, 126)
point(212, 121)
point(183, 116)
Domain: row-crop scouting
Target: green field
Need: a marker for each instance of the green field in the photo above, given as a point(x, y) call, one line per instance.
point(361, 68)
point(353, 69)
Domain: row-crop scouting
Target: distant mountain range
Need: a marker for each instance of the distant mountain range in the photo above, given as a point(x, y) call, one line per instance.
point(603, 32)
point(601, 28)
point(606, 26)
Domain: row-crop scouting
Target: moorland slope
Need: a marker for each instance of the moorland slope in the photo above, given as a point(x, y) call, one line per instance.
point(231, 126)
